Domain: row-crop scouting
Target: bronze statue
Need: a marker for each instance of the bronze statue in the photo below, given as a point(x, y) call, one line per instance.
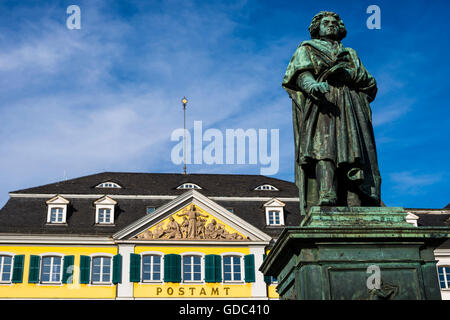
point(335, 155)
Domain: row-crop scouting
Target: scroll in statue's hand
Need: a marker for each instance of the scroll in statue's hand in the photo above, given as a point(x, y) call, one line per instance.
point(341, 73)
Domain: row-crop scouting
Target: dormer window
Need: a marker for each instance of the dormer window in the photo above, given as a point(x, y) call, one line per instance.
point(104, 210)
point(57, 210)
point(266, 187)
point(274, 211)
point(189, 185)
point(57, 215)
point(104, 215)
point(108, 184)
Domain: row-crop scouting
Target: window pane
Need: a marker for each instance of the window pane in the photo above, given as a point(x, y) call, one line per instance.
point(96, 262)
point(146, 268)
point(5, 266)
point(106, 269)
point(56, 270)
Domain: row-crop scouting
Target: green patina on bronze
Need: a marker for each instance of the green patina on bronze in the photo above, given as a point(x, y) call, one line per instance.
point(345, 232)
point(327, 258)
point(336, 161)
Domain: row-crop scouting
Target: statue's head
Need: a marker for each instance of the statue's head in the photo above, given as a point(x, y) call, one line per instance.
point(327, 24)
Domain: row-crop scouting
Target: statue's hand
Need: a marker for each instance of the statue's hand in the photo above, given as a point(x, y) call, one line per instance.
point(319, 89)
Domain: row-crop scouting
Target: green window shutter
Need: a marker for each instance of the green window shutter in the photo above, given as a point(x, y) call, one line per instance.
point(249, 267)
point(210, 268)
point(85, 264)
point(68, 269)
point(17, 275)
point(172, 268)
point(117, 269)
point(33, 274)
point(218, 268)
point(213, 268)
point(135, 267)
point(267, 279)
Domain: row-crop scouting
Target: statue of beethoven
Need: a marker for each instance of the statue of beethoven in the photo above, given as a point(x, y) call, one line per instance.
point(335, 154)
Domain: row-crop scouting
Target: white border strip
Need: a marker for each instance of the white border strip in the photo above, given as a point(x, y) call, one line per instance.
point(150, 197)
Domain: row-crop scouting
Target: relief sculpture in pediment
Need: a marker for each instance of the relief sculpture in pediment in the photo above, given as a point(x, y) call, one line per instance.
point(194, 226)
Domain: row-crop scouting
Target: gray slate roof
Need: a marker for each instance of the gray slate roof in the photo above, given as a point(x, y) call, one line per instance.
point(28, 215)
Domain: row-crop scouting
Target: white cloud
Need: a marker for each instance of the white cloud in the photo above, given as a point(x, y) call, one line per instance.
point(391, 112)
point(410, 182)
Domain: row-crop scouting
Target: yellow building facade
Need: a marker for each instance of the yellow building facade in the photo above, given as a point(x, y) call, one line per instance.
point(188, 247)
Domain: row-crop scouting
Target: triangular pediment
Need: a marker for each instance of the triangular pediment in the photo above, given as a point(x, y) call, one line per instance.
point(105, 200)
point(191, 217)
point(274, 203)
point(191, 223)
point(58, 200)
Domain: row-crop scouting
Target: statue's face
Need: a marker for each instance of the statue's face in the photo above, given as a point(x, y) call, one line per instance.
point(329, 28)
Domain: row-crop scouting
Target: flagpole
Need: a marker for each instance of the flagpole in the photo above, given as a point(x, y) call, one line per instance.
point(184, 102)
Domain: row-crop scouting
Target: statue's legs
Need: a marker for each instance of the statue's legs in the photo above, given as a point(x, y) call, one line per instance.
point(326, 177)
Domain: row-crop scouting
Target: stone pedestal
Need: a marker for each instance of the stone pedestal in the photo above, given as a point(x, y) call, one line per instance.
point(356, 253)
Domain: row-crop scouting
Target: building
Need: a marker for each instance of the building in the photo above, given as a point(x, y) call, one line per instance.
point(149, 236)
point(138, 235)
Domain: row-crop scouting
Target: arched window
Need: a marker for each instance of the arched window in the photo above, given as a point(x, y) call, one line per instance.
point(108, 184)
point(266, 187)
point(189, 185)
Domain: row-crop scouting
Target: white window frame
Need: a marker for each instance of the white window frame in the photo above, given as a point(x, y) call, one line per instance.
point(152, 253)
point(241, 260)
point(59, 213)
point(57, 202)
point(447, 283)
point(6, 254)
point(105, 203)
point(274, 205)
point(91, 277)
point(41, 265)
point(202, 267)
point(274, 215)
point(103, 212)
point(108, 184)
point(189, 185)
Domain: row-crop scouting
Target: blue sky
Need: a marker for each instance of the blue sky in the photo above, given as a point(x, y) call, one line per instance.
point(107, 97)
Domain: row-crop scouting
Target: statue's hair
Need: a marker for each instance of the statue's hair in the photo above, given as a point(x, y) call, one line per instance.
point(314, 27)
